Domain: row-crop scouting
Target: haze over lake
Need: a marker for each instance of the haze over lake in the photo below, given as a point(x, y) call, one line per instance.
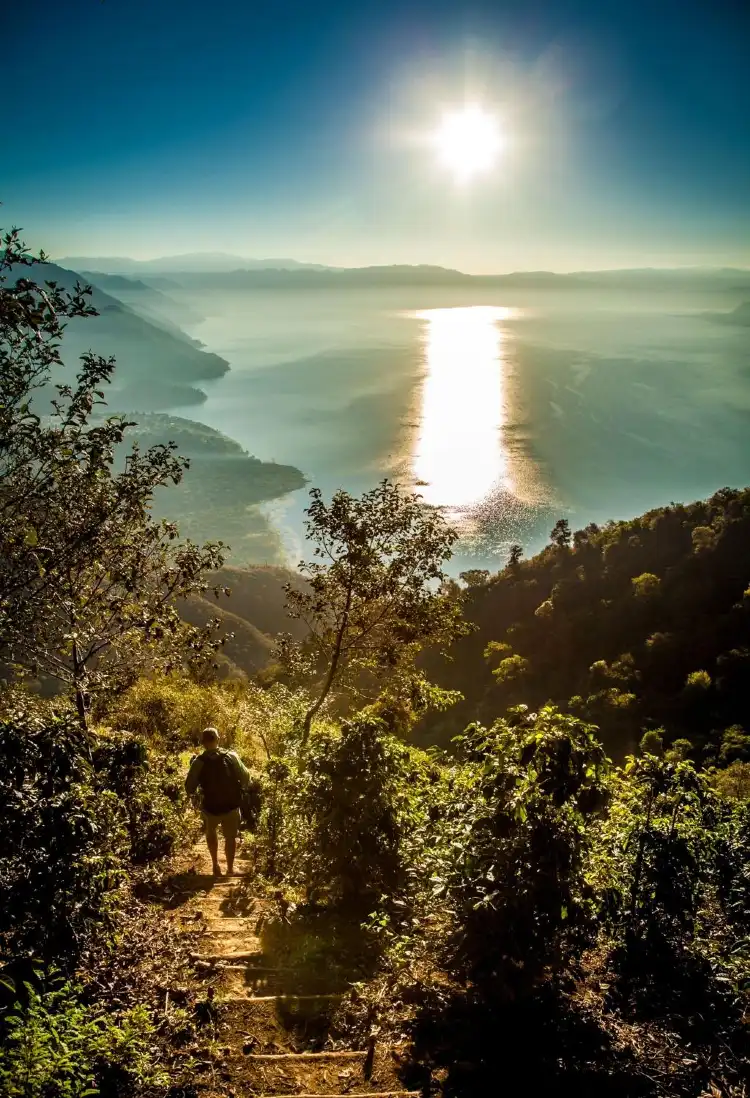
point(509, 409)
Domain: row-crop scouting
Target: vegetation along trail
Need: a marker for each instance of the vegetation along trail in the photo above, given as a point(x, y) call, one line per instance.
point(271, 990)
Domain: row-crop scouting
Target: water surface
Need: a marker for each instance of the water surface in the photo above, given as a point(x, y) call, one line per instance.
point(508, 411)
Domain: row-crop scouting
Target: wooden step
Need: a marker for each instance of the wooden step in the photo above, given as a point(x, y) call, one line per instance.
point(235, 980)
point(216, 957)
point(290, 1000)
point(298, 1056)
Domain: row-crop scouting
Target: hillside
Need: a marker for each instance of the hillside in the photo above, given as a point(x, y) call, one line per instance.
point(257, 595)
point(246, 648)
point(739, 315)
point(219, 496)
point(253, 612)
point(636, 625)
point(155, 368)
point(150, 302)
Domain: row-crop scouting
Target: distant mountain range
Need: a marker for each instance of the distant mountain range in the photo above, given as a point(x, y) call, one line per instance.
point(192, 261)
point(220, 270)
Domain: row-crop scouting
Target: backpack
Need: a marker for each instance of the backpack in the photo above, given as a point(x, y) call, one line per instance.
point(219, 783)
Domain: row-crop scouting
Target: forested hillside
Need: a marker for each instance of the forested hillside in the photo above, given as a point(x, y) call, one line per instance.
point(219, 496)
point(638, 625)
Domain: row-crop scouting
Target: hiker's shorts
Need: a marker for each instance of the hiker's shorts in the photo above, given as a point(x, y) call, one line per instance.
point(228, 821)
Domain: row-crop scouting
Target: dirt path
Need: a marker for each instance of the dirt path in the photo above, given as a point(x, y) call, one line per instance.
point(271, 989)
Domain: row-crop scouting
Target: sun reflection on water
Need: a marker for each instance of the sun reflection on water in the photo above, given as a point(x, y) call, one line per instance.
point(460, 455)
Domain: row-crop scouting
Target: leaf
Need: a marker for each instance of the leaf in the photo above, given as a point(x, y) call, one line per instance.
point(32, 538)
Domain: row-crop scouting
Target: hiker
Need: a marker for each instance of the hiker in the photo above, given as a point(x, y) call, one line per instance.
point(222, 778)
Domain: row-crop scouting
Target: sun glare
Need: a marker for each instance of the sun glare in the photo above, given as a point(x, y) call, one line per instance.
point(468, 142)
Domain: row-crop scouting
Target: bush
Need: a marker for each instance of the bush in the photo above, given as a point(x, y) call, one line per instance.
point(645, 585)
point(337, 815)
point(75, 811)
point(150, 791)
point(176, 710)
point(518, 885)
point(54, 1046)
point(698, 680)
point(63, 837)
point(173, 711)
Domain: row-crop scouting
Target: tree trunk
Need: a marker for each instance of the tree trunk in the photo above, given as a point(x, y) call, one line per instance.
point(79, 673)
point(315, 707)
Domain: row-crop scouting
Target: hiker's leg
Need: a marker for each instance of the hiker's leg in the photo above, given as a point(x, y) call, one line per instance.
point(212, 840)
point(230, 825)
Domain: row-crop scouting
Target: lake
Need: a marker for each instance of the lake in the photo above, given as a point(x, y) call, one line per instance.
point(509, 410)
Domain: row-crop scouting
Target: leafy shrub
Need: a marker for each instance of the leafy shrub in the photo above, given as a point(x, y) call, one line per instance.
point(172, 711)
point(652, 742)
point(518, 884)
point(54, 1046)
point(336, 815)
point(698, 680)
point(511, 668)
point(735, 744)
point(60, 858)
point(734, 782)
point(150, 790)
point(359, 800)
point(646, 585)
point(175, 709)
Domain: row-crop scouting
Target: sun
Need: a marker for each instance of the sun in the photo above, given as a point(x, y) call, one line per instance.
point(468, 142)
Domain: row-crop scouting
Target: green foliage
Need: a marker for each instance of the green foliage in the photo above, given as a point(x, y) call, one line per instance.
point(338, 818)
point(735, 745)
point(149, 788)
point(511, 668)
point(60, 861)
point(358, 800)
point(77, 811)
point(646, 585)
point(633, 592)
point(519, 885)
point(55, 1046)
point(89, 578)
point(733, 782)
point(652, 742)
point(659, 841)
point(372, 601)
point(698, 680)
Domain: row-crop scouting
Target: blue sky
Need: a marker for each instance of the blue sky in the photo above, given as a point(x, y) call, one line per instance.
point(147, 127)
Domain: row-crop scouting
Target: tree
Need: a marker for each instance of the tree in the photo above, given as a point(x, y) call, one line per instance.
point(514, 555)
point(85, 571)
point(373, 599)
point(560, 535)
point(475, 577)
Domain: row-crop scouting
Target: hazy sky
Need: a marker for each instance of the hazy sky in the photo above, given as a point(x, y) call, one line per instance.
point(145, 127)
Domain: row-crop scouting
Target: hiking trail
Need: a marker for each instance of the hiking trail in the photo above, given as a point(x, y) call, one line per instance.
point(271, 989)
